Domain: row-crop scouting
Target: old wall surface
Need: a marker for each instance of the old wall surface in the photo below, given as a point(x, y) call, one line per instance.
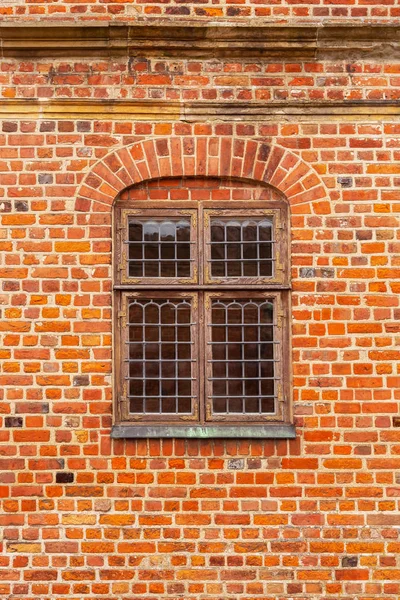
point(183, 80)
point(83, 516)
point(234, 10)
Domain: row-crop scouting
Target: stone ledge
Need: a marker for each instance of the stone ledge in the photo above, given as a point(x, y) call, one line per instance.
point(189, 40)
point(270, 431)
point(190, 111)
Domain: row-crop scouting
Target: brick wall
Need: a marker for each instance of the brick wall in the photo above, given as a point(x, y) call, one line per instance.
point(308, 518)
point(190, 80)
point(235, 10)
point(83, 516)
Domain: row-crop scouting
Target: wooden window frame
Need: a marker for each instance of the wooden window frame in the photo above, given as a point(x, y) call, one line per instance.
point(281, 369)
point(123, 371)
point(122, 257)
point(201, 288)
point(277, 228)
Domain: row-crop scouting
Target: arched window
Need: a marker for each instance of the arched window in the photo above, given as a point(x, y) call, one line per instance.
point(202, 305)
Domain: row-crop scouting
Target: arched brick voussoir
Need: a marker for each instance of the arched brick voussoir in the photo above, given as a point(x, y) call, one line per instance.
point(96, 194)
point(106, 177)
point(294, 176)
point(202, 156)
point(296, 179)
point(152, 159)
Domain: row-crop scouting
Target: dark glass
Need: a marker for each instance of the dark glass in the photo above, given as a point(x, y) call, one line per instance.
point(218, 264)
point(241, 247)
point(160, 365)
point(243, 368)
point(159, 248)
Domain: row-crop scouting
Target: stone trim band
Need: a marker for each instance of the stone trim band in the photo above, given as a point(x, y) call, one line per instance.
point(199, 40)
point(191, 111)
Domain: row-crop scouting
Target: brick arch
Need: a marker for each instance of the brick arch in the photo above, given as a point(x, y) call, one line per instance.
point(203, 157)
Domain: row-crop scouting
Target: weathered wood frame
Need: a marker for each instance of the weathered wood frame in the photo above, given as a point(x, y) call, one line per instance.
point(277, 226)
point(122, 265)
point(201, 289)
point(122, 347)
point(281, 361)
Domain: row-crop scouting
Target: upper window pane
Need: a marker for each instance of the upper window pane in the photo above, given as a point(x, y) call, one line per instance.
point(243, 246)
point(158, 246)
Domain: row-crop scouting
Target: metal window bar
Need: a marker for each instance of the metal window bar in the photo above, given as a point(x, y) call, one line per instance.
point(155, 342)
point(240, 324)
point(144, 360)
point(162, 324)
point(158, 242)
point(244, 360)
point(241, 396)
point(162, 396)
point(255, 343)
point(135, 260)
point(255, 242)
point(247, 379)
point(241, 260)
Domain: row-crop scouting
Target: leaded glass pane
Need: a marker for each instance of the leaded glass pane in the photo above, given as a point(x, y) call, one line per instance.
point(243, 374)
point(160, 379)
point(241, 247)
point(159, 248)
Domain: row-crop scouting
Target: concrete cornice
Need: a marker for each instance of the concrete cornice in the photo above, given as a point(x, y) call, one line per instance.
point(199, 40)
point(194, 111)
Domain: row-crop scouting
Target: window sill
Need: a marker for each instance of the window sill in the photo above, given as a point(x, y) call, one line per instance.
point(268, 431)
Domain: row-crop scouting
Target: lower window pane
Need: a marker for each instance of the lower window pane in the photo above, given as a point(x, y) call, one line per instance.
point(160, 357)
point(243, 373)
